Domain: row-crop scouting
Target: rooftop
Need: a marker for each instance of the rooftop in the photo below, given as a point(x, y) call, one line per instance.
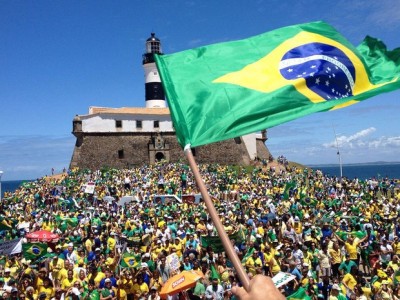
point(129, 110)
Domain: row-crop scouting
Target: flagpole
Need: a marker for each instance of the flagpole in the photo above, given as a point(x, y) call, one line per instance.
point(230, 251)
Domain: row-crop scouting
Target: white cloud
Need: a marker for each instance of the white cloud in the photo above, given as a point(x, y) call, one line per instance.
point(352, 141)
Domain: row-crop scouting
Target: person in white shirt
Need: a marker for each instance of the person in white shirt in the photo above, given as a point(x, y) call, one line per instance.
point(386, 251)
point(215, 291)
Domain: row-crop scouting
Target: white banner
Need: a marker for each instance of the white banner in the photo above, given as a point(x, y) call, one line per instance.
point(282, 278)
point(173, 262)
point(89, 189)
point(11, 247)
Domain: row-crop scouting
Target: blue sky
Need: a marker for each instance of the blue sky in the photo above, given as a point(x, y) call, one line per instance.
point(57, 58)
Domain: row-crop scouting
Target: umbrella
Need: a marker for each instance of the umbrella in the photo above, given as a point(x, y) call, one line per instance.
point(42, 236)
point(180, 282)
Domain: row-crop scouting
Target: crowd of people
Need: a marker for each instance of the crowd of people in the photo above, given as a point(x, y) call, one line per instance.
point(339, 237)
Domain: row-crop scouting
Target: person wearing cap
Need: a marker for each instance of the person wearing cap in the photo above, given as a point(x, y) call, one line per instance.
point(109, 276)
point(108, 292)
point(7, 276)
point(13, 293)
point(335, 292)
point(70, 254)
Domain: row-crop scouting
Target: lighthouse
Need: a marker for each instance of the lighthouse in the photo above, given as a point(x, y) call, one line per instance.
point(153, 89)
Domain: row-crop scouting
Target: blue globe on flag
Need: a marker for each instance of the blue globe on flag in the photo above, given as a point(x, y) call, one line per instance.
point(327, 70)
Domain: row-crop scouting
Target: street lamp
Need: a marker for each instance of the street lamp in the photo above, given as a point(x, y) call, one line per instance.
point(1, 196)
point(338, 153)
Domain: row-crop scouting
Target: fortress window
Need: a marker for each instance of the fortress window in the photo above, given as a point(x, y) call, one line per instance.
point(138, 124)
point(118, 123)
point(120, 154)
point(156, 124)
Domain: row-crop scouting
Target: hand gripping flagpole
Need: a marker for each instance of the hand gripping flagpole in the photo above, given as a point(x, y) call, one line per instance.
point(230, 251)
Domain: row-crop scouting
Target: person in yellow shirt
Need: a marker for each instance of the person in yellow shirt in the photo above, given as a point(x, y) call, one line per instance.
point(47, 288)
point(254, 264)
point(349, 281)
point(55, 266)
point(271, 264)
point(69, 281)
point(396, 245)
point(95, 275)
point(351, 246)
point(178, 247)
point(122, 289)
point(111, 241)
point(394, 263)
point(30, 293)
point(40, 278)
point(336, 258)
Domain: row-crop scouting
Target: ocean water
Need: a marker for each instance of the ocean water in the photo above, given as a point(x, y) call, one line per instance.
point(363, 171)
point(10, 185)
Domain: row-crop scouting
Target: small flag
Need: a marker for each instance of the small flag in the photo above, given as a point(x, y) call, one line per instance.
point(288, 188)
point(247, 255)
point(300, 294)
point(33, 251)
point(129, 260)
point(227, 90)
point(214, 273)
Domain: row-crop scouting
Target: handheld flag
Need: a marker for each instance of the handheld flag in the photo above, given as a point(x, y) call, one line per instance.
point(33, 251)
point(129, 260)
point(299, 294)
point(228, 90)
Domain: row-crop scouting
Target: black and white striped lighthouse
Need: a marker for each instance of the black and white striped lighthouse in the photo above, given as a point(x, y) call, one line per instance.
point(154, 90)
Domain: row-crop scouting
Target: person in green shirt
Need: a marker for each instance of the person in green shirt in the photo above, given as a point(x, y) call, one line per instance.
point(108, 293)
point(199, 289)
point(345, 267)
point(92, 293)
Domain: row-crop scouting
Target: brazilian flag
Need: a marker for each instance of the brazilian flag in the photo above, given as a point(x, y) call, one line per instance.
point(130, 260)
point(33, 251)
point(288, 187)
point(222, 91)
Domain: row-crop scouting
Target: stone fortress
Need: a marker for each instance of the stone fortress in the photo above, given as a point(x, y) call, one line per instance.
point(133, 136)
